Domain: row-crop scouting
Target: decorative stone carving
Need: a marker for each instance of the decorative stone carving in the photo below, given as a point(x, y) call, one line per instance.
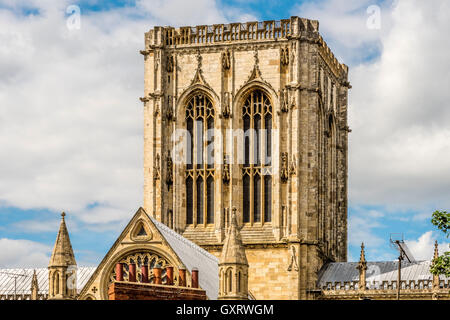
point(284, 56)
point(226, 171)
point(226, 110)
point(293, 102)
point(169, 111)
point(156, 109)
point(169, 178)
point(226, 60)
point(169, 63)
point(284, 174)
point(293, 166)
point(293, 260)
point(157, 168)
point(284, 100)
point(157, 58)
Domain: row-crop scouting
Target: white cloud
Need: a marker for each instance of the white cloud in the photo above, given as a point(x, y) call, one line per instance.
point(423, 248)
point(71, 122)
point(23, 254)
point(399, 107)
point(363, 227)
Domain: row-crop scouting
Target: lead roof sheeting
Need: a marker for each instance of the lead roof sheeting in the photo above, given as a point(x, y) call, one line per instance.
point(23, 283)
point(194, 256)
point(380, 271)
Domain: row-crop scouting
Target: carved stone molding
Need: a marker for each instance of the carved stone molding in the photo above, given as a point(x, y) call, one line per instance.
point(293, 166)
point(157, 168)
point(284, 94)
point(226, 176)
point(293, 260)
point(226, 109)
point(169, 63)
point(226, 60)
point(284, 174)
point(169, 111)
point(169, 177)
point(284, 56)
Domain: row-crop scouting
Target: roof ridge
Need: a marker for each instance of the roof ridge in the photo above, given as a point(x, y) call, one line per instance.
point(184, 240)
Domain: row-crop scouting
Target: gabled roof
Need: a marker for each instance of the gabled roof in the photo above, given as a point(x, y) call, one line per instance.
point(193, 256)
point(183, 250)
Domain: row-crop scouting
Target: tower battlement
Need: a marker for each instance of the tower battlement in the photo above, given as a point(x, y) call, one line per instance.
point(254, 31)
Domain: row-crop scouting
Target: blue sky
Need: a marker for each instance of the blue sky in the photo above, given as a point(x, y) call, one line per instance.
point(71, 121)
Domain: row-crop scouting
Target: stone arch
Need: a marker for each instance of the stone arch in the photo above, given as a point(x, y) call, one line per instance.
point(229, 280)
point(246, 89)
point(187, 94)
point(56, 280)
point(104, 277)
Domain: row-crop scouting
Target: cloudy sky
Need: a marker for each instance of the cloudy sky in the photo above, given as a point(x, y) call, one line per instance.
point(71, 122)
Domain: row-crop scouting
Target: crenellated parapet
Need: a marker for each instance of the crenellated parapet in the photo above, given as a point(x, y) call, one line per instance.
point(339, 70)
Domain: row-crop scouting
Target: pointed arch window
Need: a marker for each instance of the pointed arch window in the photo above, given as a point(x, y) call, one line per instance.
point(200, 161)
point(257, 168)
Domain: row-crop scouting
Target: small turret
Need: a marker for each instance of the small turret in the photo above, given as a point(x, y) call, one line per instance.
point(34, 287)
point(62, 266)
point(233, 265)
point(435, 276)
point(362, 267)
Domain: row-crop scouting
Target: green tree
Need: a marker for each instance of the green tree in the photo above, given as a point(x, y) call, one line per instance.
point(441, 265)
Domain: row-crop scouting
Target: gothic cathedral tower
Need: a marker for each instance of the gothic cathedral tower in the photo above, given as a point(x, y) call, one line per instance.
point(253, 116)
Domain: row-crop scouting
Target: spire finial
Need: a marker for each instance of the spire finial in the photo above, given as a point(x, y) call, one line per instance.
point(362, 257)
point(436, 250)
point(63, 214)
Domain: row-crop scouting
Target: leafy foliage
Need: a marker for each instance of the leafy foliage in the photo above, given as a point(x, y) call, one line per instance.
point(441, 265)
point(441, 219)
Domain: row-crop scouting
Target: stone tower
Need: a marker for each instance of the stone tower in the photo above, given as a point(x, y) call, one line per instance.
point(253, 116)
point(62, 266)
point(233, 265)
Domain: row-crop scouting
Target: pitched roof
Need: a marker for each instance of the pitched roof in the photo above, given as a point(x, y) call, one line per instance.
point(193, 256)
point(25, 276)
point(341, 272)
point(62, 254)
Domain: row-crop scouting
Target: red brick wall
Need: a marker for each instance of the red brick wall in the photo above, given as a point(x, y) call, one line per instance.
point(140, 291)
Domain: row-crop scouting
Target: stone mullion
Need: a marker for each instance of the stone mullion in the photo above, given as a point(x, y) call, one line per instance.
point(252, 158)
point(194, 164)
point(205, 163)
point(262, 153)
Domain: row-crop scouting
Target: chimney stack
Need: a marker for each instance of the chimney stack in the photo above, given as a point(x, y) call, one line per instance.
point(132, 272)
point(194, 278)
point(157, 271)
point(119, 272)
point(182, 276)
point(169, 275)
